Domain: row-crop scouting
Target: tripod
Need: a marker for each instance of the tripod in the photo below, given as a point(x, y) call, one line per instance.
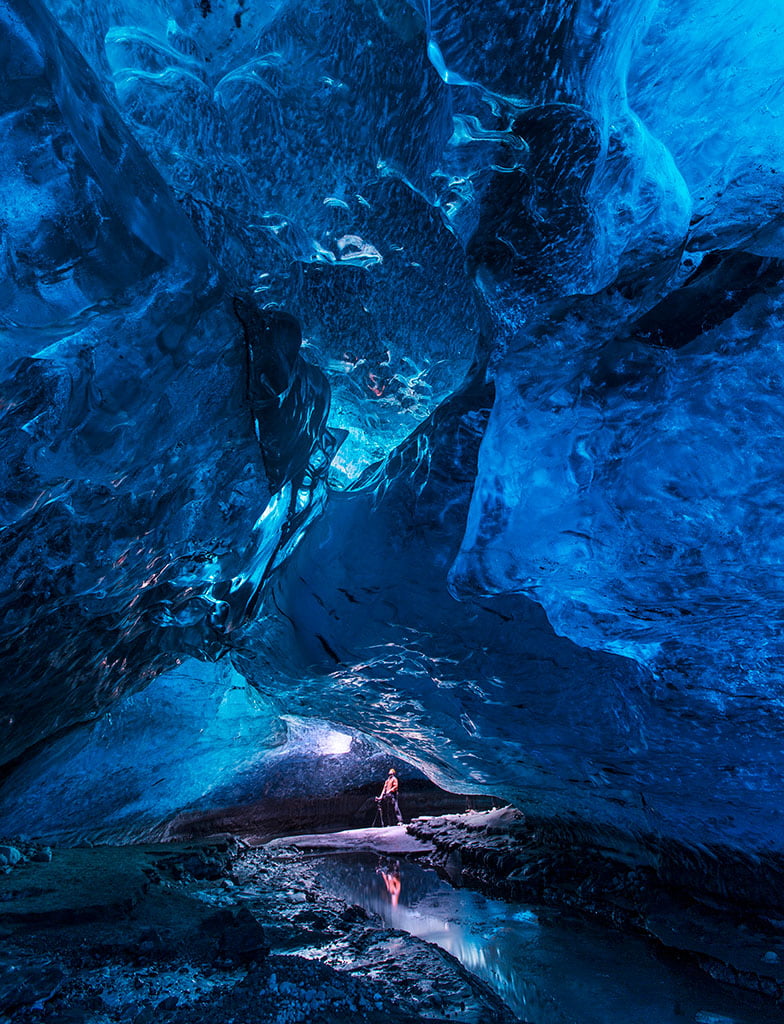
point(379, 818)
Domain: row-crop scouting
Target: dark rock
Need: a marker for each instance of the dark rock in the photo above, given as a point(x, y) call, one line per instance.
point(453, 866)
point(354, 914)
point(201, 864)
point(70, 1015)
point(312, 918)
point(238, 935)
point(21, 986)
point(151, 943)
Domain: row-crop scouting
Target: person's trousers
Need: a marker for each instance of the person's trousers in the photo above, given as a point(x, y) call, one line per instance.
point(391, 807)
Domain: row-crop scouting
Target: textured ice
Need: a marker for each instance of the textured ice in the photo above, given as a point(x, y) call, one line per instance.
point(136, 523)
point(197, 738)
point(285, 133)
point(196, 725)
point(423, 362)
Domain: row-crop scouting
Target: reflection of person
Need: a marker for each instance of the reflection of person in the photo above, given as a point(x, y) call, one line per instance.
point(388, 799)
point(391, 876)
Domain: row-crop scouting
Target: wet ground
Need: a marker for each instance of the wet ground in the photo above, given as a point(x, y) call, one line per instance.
point(322, 929)
point(212, 933)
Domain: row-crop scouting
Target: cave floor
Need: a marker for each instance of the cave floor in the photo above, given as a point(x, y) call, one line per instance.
point(214, 931)
point(322, 928)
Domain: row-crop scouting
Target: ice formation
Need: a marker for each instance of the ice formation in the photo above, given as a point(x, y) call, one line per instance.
point(420, 365)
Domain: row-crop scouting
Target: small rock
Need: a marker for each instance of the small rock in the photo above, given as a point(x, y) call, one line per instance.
point(152, 941)
point(771, 957)
point(42, 856)
point(11, 854)
point(239, 936)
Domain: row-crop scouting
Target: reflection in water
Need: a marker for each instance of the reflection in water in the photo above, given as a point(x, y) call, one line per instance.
point(390, 872)
point(548, 968)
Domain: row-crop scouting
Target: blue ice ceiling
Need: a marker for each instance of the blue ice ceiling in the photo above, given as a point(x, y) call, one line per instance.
point(418, 364)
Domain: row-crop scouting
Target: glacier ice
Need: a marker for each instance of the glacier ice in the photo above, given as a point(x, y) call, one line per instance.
point(287, 139)
point(419, 363)
point(197, 739)
point(94, 781)
point(135, 502)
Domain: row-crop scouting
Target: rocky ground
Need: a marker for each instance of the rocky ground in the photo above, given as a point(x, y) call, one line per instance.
point(220, 931)
point(214, 932)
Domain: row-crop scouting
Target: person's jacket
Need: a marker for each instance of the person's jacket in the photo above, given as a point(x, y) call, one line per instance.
point(390, 786)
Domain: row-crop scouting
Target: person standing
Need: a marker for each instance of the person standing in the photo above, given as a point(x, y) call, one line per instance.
point(388, 799)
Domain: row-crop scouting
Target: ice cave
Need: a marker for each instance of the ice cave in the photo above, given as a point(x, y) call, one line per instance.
point(392, 418)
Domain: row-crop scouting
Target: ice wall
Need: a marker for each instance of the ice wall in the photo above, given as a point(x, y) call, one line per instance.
point(422, 359)
point(136, 522)
point(168, 747)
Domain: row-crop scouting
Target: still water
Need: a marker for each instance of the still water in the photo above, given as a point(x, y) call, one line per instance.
point(549, 968)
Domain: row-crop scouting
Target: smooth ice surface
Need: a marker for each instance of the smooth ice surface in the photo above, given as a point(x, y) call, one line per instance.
point(173, 745)
point(419, 364)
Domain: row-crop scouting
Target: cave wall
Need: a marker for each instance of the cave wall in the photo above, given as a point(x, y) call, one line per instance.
point(418, 365)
